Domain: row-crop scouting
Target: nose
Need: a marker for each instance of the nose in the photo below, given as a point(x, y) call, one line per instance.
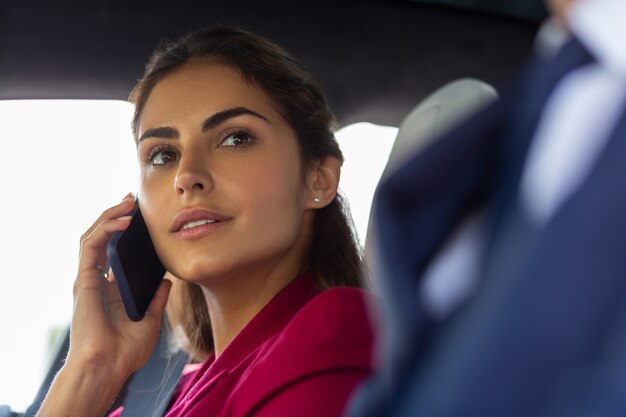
point(193, 175)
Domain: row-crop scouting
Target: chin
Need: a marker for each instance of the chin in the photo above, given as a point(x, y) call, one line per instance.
point(199, 272)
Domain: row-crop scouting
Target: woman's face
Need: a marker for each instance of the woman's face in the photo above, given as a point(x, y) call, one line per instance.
point(222, 187)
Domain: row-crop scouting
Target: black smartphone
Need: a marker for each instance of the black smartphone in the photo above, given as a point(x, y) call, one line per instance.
point(136, 265)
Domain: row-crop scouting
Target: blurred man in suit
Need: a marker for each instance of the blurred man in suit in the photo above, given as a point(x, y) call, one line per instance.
point(500, 251)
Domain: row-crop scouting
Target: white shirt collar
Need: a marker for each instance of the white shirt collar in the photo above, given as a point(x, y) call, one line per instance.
point(599, 24)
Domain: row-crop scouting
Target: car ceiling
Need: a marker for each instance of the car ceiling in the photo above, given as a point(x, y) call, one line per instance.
point(374, 59)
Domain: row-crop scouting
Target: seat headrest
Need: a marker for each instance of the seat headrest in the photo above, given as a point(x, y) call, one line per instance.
point(440, 112)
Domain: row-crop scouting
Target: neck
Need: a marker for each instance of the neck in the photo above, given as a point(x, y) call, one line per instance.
point(235, 301)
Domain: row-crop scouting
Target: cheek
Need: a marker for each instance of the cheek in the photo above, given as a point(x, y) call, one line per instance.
point(278, 182)
point(273, 195)
point(154, 186)
point(152, 199)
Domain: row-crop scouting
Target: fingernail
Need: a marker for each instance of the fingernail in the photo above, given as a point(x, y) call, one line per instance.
point(129, 196)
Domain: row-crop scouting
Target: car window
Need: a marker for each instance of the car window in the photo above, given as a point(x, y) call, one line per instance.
point(366, 148)
point(63, 162)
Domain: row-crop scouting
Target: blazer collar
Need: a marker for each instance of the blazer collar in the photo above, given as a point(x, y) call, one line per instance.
point(269, 321)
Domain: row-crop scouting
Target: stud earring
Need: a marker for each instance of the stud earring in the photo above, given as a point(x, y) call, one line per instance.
point(317, 199)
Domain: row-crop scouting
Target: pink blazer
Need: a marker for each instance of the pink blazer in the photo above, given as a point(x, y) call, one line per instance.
point(302, 355)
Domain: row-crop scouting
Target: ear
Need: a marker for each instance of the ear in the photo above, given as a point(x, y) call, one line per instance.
point(322, 181)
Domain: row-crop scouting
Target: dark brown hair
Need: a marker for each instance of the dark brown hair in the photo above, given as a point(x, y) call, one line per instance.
point(335, 258)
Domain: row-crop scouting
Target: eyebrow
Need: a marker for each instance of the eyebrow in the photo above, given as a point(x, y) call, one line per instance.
point(159, 132)
point(210, 123)
point(220, 117)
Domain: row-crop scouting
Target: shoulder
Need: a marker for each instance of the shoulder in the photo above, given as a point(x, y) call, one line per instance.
point(332, 329)
point(331, 335)
point(333, 309)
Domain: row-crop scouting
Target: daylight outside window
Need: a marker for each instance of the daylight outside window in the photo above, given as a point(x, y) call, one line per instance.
point(64, 162)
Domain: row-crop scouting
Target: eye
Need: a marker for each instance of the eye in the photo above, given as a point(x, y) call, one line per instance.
point(236, 139)
point(162, 155)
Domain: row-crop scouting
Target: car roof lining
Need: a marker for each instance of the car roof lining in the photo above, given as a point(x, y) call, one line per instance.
point(374, 59)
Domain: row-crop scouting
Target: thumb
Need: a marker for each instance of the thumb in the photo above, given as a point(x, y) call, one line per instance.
point(159, 301)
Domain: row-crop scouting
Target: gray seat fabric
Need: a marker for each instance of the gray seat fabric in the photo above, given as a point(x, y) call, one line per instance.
point(5, 411)
point(435, 115)
point(438, 113)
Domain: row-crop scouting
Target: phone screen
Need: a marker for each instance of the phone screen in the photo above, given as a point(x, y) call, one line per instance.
point(136, 265)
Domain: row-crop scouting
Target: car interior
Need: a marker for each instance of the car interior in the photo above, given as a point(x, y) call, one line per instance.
point(420, 65)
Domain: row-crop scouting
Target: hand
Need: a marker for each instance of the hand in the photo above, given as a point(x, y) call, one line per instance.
point(102, 335)
point(106, 347)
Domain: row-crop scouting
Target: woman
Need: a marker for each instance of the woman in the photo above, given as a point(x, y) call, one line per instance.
point(239, 174)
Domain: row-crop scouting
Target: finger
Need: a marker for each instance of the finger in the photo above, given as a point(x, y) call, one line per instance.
point(88, 299)
point(100, 297)
point(92, 246)
point(93, 254)
point(159, 301)
point(120, 209)
point(111, 290)
point(113, 303)
point(123, 208)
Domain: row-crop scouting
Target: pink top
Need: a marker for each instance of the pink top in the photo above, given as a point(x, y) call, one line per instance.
point(302, 355)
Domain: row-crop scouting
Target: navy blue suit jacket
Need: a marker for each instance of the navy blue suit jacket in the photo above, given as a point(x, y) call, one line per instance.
point(545, 338)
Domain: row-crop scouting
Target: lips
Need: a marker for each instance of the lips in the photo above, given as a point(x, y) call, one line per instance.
point(189, 220)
